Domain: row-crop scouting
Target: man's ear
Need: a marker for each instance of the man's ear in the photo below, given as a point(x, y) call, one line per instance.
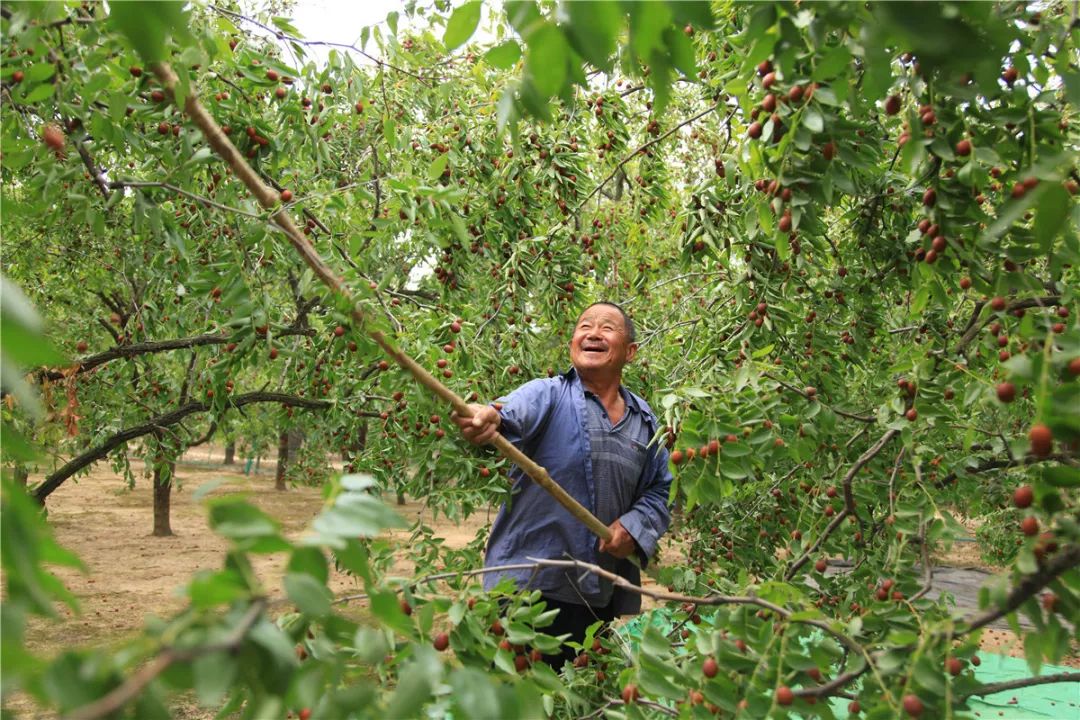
point(631, 351)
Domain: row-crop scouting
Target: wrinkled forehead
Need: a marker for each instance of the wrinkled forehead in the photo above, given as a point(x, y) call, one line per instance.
point(602, 313)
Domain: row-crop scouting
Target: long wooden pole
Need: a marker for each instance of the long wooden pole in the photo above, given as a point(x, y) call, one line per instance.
point(269, 198)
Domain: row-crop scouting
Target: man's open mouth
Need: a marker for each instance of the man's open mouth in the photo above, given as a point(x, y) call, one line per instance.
point(594, 349)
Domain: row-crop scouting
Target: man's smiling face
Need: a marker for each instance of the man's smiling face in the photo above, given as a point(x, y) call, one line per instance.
point(601, 343)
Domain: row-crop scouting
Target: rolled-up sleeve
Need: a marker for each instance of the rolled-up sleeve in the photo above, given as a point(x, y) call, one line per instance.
point(648, 519)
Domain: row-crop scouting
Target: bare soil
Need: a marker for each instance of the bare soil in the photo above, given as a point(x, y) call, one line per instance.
point(131, 575)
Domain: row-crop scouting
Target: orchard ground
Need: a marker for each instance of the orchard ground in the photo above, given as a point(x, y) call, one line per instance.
point(132, 575)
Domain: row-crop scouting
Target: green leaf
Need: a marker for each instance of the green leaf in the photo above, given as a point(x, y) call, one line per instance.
point(435, 169)
point(238, 519)
point(462, 25)
point(654, 679)
point(39, 72)
point(275, 641)
point(39, 93)
point(386, 607)
point(647, 23)
point(813, 120)
point(878, 75)
point(503, 56)
point(413, 690)
point(356, 515)
point(681, 51)
point(593, 30)
point(1072, 86)
point(1007, 216)
point(213, 674)
point(1050, 214)
point(211, 589)
point(206, 488)
point(834, 61)
point(1061, 476)
point(309, 561)
point(524, 16)
point(474, 695)
point(545, 60)
point(696, 13)
point(22, 330)
point(147, 25)
point(308, 594)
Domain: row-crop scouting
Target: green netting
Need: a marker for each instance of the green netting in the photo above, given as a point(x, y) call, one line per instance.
point(1060, 701)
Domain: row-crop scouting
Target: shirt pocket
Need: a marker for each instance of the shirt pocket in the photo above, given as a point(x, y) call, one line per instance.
point(640, 452)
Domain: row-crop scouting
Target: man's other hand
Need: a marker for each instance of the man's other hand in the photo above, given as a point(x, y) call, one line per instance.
point(482, 427)
point(622, 545)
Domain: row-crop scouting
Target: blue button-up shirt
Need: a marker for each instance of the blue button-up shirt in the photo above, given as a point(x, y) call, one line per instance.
point(547, 420)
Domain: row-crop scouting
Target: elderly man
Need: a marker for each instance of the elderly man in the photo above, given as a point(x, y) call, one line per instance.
point(593, 436)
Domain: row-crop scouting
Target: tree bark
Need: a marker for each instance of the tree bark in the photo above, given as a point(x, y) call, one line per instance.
point(162, 500)
point(230, 453)
point(282, 461)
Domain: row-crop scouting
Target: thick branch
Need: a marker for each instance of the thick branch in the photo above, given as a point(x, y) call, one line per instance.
point(156, 424)
point(975, 325)
point(992, 688)
point(1064, 559)
point(1000, 464)
point(130, 689)
point(96, 175)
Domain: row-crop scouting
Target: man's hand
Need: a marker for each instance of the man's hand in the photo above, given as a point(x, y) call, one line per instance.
point(622, 545)
point(482, 427)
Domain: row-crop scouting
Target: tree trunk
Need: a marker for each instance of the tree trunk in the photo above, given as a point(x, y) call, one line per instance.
point(162, 498)
point(400, 498)
point(282, 460)
point(230, 453)
point(21, 474)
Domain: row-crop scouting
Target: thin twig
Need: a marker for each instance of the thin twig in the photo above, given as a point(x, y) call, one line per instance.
point(849, 502)
point(118, 184)
point(631, 156)
point(134, 685)
point(317, 43)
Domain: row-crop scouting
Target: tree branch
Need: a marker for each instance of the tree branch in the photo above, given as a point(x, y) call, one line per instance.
point(992, 688)
point(118, 184)
point(96, 175)
point(130, 689)
point(316, 43)
point(974, 325)
point(635, 153)
point(56, 479)
point(849, 501)
point(988, 465)
point(1064, 559)
point(861, 418)
point(144, 348)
